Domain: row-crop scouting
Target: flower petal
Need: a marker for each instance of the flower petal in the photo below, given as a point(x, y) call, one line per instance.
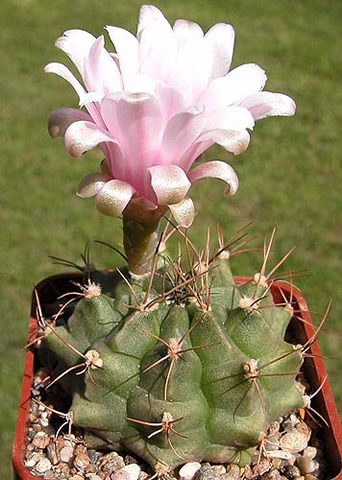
point(113, 198)
point(91, 184)
point(148, 14)
point(135, 121)
point(192, 69)
point(83, 136)
point(216, 169)
point(59, 120)
point(222, 38)
point(127, 49)
point(157, 49)
point(185, 30)
point(101, 73)
point(181, 131)
point(266, 104)
point(76, 44)
point(240, 82)
point(62, 71)
point(168, 182)
point(183, 212)
point(230, 118)
point(234, 141)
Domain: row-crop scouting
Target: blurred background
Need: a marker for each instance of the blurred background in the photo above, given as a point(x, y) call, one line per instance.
point(290, 176)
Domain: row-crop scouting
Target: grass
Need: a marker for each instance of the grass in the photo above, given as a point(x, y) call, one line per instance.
point(290, 176)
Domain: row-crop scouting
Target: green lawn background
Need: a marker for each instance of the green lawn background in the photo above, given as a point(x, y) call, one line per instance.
point(290, 177)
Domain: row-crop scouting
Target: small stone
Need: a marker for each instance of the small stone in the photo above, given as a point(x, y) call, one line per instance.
point(119, 475)
point(311, 477)
point(220, 469)
point(290, 423)
point(111, 462)
point(67, 454)
point(233, 472)
point(271, 442)
point(92, 476)
point(188, 470)
point(206, 473)
point(49, 474)
point(76, 477)
point(291, 472)
point(30, 463)
point(63, 470)
point(306, 464)
point(81, 461)
point(51, 453)
point(294, 441)
point(43, 465)
point(262, 466)
point(41, 440)
point(272, 475)
point(310, 452)
point(133, 471)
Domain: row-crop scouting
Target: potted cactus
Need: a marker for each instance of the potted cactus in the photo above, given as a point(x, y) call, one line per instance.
point(170, 361)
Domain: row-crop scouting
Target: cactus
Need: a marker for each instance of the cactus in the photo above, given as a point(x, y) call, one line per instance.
point(178, 363)
point(177, 367)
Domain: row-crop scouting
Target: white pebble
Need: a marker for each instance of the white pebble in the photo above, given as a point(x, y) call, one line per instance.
point(133, 470)
point(43, 465)
point(66, 454)
point(294, 441)
point(188, 470)
point(310, 452)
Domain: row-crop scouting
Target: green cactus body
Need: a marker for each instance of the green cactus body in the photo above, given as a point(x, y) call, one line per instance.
point(179, 382)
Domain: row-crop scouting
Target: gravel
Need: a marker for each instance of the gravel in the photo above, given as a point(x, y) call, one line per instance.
point(290, 450)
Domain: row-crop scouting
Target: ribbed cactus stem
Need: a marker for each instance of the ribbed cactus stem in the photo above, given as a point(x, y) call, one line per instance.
point(140, 228)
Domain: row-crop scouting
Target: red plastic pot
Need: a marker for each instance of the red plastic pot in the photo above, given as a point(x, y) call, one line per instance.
point(314, 369)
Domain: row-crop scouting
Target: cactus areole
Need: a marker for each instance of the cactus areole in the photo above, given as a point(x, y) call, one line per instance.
point(179, 364)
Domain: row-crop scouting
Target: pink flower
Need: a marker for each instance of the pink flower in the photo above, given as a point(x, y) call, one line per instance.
point(155, 105)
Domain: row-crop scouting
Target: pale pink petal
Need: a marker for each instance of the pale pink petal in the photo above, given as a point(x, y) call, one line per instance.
point(216, 169)
point(168, 182)
point(181, 131)
point(171, 101)
point(183, 212)
point(76, 44)
point(113, 198)
point(222, 38)
point(90, 97)
point(233, 141)
point(101, 73)
point(91, 184)
point(185, 30)
point(234, 87)
point(127, 49)
point(230, 118)
point(193, 152)
point(149, 14)
point(266, 104)
point(62, 71)
point(157, 49)
point(193, 68)
point(59, 120)
point(83, 136)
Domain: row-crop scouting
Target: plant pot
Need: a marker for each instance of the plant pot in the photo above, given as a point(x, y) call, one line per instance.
point(302, 331)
